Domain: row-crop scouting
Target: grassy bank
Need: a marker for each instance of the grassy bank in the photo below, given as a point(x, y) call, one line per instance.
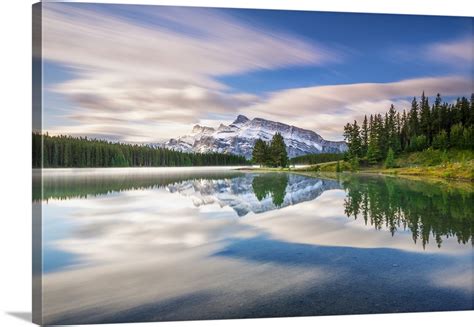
point(451, 164)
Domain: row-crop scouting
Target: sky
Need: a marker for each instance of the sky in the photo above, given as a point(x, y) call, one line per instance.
point(144, 74)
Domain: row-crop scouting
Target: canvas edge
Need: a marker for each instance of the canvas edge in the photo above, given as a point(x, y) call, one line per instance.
point(37, 181)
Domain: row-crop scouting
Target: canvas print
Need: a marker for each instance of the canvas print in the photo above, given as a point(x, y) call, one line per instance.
point(205, 163)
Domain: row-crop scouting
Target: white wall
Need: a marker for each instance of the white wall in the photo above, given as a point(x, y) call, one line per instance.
point(15, 129)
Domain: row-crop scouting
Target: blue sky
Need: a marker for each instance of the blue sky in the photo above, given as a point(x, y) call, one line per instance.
point(146, 73)
point(375, 48)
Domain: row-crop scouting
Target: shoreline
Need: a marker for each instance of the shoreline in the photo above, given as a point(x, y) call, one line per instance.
point(391, 172)
point(433, 173)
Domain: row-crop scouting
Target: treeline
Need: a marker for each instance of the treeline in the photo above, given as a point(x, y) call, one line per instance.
point(66, 151)
point(46, 187)
point(271, 154)
point(440, 125)
point(316, 158)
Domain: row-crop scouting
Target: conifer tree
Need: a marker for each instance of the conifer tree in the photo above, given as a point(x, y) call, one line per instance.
point(67, 151)
point(425, 119)
point(372, 153)
point(390, 160)
point(392, 130)
point(278, 154)
point(380, 136)
point(404, 130)
point(440, 126)
point(364, 137)
point(353, 138)
point(260, 152)
point(413, 123)
point(436, 126)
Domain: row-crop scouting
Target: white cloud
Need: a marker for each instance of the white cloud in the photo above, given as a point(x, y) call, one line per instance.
point(144, 81)
point(141, 248)
point(162, 70)
point(457, 52)
point(326, 109)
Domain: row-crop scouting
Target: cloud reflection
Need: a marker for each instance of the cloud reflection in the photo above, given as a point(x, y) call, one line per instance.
point(152, 254)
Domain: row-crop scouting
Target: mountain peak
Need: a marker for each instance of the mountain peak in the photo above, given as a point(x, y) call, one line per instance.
point(240, 119)
point(239, 138)
point(202, 129)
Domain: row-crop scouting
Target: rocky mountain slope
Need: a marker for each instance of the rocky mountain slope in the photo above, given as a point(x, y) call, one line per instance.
point(239, 137)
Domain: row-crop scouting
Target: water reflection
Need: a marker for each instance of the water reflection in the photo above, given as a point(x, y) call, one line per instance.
point(426, 209)
point(273, 185)
point(254, 193)
point(155, 245)
point(66, 184)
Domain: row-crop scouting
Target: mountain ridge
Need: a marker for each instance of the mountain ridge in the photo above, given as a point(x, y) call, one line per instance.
point(240, 136)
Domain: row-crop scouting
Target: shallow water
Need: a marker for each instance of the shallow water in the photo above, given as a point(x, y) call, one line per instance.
point(137, 244)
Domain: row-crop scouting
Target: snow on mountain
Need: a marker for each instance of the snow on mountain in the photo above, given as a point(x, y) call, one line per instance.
point(240, 136)
point(238, 192)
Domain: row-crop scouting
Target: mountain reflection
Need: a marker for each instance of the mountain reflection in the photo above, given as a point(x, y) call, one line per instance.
point(426, 210)
point(243, 192)
point(436, 210)
point(256, 193)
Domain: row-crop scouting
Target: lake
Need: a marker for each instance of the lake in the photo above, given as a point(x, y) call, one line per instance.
point(127, 245)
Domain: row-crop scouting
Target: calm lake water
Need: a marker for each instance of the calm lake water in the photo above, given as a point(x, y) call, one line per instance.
point(124, 245)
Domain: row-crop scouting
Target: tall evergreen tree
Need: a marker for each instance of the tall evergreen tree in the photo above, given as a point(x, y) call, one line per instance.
point(260, 152)
point(413, 123)
point(278, 154)
point(392, 130)
point(380, 136)
point(404, 131)
point(436, 126)
point(353, 138)
point(364, 137)
point(373, 151)
point(425, 118)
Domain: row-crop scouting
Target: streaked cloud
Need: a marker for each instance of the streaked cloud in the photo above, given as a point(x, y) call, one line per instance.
point(455, 52)
point(326, 109)
point(150, 79)
point(162, 70)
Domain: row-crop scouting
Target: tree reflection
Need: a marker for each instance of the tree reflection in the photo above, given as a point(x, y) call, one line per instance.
point(273, 185)
point(427, 209)
point(68, 186)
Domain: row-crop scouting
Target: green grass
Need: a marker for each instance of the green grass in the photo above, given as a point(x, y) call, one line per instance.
point(263, 169)
point(432, 157)
point(456, 170)
point(326, 167)
point(438, 164)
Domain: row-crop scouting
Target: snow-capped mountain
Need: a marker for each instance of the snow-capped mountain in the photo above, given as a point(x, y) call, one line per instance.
point(239, 193)
point(240, 136)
